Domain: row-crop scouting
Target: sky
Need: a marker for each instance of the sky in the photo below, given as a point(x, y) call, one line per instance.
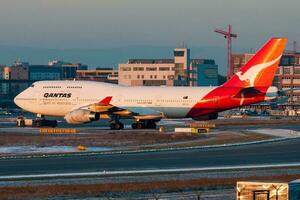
point(113, 24)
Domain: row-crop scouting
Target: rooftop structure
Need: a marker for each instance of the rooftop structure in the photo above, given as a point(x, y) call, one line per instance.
point(107, 74)
point(150, 61)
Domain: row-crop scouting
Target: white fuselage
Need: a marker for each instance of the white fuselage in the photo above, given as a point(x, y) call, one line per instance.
point(57, 98)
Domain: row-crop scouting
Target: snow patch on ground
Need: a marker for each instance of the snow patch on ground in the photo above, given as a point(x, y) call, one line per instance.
point(53, 149)
point(285, 133)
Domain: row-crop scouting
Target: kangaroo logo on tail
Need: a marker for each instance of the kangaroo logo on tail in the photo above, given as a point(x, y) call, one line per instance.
point(260, 70)
point(250, 75)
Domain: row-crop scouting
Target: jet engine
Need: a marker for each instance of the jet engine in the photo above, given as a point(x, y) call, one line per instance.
point(206, 117)
point(81, 116)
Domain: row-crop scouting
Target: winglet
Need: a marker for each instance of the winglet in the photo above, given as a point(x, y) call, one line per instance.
point(105, 101)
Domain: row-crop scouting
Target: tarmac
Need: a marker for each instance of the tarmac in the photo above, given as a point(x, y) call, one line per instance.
point(281, 152)
point(278, 156)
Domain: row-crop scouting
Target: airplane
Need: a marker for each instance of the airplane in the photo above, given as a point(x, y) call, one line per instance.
point(86, 101)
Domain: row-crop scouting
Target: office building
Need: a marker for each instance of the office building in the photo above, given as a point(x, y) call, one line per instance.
point(2, 72)
point(19, 72)
point(68, 70)
point(179, 71)
point(107, 74)
point(182, 66)
point(44, 72)
point(239, 60)
point(4, 75)
point(204, 72)
point(147, 72)
point(288, 77)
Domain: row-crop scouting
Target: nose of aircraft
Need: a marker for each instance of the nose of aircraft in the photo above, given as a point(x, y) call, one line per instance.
point(17, 100)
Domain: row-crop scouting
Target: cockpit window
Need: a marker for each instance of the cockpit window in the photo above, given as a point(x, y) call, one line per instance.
point(32, 85)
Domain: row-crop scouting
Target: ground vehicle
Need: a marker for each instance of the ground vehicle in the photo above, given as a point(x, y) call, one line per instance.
point(38, 122)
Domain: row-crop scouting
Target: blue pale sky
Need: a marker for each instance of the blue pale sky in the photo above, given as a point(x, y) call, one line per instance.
point(100, 24)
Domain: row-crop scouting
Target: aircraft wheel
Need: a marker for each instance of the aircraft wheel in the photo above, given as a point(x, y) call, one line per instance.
point(54, 124)
point(134, 126)
point(38, 123)
point(151, 125)
point(112, 126)
point(139, 125)
point(22, 123)
point(116, 126)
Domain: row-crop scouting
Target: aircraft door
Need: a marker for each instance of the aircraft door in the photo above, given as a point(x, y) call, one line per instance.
point(158, 101)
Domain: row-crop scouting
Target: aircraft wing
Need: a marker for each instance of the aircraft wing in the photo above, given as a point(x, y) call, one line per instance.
point(144, 113)
point(105, 108)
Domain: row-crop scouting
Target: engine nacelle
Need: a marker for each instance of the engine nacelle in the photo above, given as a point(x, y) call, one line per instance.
point(206, 117)
point(81, 116)
point(272, 93)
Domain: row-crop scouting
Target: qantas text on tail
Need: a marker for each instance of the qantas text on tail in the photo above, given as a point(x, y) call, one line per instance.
point(83, 101)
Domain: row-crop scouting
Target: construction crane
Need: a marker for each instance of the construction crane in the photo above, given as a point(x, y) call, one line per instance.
point(228, 35)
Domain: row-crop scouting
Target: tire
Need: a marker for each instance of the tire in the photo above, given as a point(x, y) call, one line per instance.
point(22, 123)
point(153, 125)
point(139, 125)
point(117, 126)
point(134, 126)
point(112, 126)
point(54, 124)
point(37, 124)
point(150, 124)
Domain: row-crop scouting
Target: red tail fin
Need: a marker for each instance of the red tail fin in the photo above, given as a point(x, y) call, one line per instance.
point(260, 70)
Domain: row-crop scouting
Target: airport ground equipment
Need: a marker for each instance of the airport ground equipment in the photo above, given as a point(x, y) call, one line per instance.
point(81, 148)
point(202, 125)
point(38, 122)
point(192, 130)
point(58, 130)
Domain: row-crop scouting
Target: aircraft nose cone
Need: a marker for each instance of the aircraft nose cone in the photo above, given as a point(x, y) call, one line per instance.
point(17, 101)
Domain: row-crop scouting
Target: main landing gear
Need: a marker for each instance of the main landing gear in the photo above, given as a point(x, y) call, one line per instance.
point(116, 126)
point(148, 124)
point(115, 123)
